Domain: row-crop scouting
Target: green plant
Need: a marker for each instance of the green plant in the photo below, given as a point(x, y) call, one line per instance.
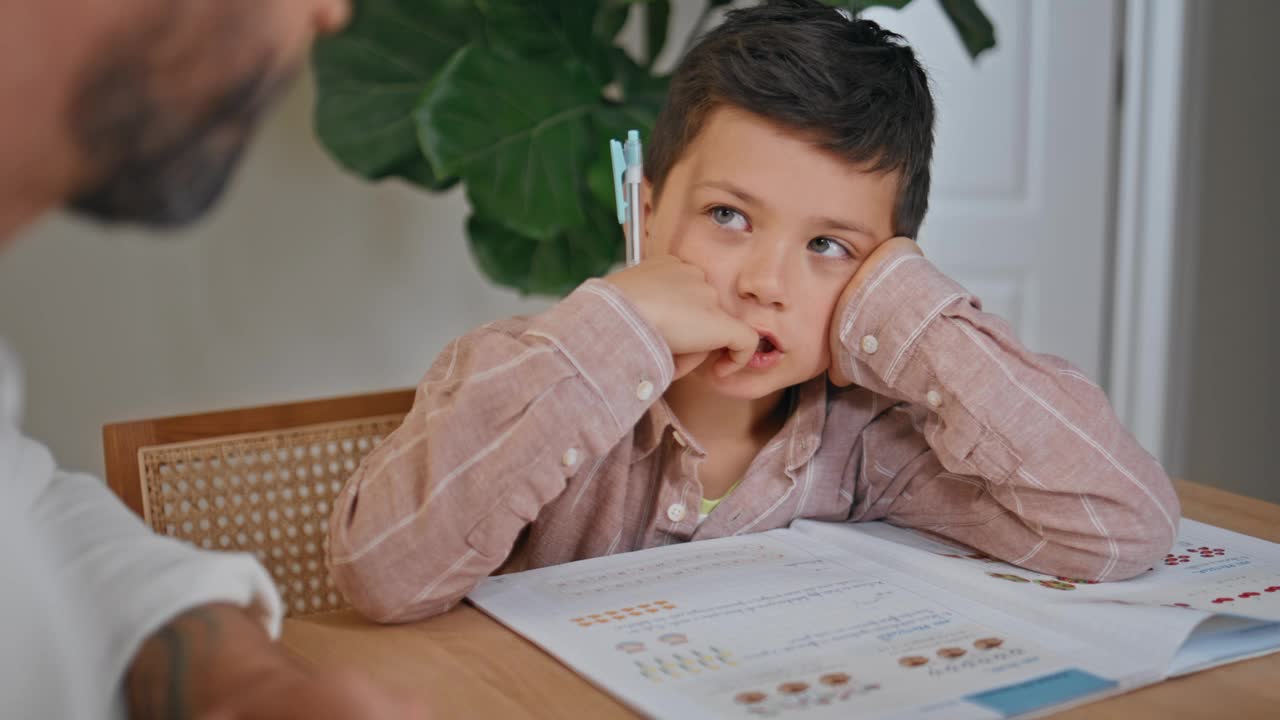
point(516, 99)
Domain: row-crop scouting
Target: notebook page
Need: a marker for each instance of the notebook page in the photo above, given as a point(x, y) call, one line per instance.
point(775, 625)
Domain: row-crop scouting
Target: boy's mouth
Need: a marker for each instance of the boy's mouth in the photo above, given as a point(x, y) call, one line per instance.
point(768, 343)
point(767, 354)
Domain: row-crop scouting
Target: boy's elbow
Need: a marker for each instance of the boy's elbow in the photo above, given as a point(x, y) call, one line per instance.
point(1107, 559)
point(1139, 555)
point(1136, 532)
point(1142, 543)
point(384, 599)
point(1151, 527)
point(393, 582)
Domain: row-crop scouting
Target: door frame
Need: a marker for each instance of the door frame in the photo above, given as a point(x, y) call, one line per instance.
point(1156, 213)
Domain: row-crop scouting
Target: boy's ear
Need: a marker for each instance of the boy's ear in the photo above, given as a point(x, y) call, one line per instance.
point(646, 207)
point(646, 198)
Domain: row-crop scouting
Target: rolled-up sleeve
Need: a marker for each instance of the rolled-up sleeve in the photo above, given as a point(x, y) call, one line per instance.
point(1012, 452)
point(93, 582)
point(500, 423)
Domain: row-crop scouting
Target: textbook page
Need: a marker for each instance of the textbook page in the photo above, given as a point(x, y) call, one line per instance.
point(778, 624)
point(1210, 572)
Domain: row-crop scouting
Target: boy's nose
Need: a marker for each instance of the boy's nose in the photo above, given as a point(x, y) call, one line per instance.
point(760, 278)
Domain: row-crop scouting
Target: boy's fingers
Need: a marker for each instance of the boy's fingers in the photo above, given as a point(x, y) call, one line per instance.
point(740, 344)
point(738, 359)
point(687, 363)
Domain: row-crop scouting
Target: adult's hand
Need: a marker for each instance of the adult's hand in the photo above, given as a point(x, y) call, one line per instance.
point(217, 663)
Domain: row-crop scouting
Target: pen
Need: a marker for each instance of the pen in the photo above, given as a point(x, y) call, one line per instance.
point(628, 172)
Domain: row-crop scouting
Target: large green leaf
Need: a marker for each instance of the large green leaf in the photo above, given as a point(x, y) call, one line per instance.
point(517, 133)
point(975, 29)
point(559, 31)
point(371, 76)
point(549, 266)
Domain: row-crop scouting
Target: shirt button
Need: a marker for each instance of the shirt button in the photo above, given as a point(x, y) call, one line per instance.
point(644, 390)
point(570, 457)
point(934, 398)
point(675, 513)
point(870, 344)
point(675, 435)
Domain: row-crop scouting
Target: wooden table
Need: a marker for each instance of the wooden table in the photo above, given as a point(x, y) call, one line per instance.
point(465, 664)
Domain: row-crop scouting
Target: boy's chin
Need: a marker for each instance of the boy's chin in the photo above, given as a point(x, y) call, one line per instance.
point(746, 384)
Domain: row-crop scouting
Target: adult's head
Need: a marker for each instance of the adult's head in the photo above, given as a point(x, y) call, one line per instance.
point(137, 110)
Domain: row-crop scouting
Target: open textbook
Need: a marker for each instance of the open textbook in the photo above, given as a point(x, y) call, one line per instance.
point(873, 621)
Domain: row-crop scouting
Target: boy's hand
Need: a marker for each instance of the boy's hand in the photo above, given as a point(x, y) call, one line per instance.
point(887, 249)
point(675, 298)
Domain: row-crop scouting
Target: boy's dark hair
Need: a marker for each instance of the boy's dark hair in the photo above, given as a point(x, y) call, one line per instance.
point(856, 87)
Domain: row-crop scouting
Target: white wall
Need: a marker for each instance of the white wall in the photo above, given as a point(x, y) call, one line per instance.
point(304, 283)
point(1229, 433)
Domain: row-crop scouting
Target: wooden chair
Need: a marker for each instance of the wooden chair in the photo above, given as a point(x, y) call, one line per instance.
point(258, 480)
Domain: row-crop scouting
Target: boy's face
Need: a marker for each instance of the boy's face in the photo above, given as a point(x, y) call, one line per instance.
point(779, 226)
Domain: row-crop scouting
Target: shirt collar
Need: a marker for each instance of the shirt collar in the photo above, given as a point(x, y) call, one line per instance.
point(654, 426)
point(802, 429)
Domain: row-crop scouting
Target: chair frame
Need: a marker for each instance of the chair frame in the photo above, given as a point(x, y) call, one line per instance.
point(122, 441)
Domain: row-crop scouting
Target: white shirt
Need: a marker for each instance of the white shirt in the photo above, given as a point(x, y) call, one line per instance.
point(83, 581)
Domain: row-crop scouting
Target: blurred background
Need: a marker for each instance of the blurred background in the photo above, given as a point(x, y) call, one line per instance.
point(1107, 179)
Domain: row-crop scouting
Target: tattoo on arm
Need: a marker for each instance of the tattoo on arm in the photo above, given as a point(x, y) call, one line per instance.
point(159, 685)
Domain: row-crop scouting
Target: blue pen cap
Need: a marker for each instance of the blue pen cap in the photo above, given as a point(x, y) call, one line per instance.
point(619, 168)
point(633, 148)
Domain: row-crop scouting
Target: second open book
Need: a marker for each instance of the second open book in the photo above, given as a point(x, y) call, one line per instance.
point(869, 620)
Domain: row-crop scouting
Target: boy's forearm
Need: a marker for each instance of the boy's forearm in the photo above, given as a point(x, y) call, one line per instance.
point(501, 422)
point(1055, 462)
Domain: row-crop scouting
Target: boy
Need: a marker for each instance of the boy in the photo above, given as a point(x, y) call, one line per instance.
point(784, 352)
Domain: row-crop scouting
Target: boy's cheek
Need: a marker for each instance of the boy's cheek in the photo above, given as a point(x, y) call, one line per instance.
point(686, 245)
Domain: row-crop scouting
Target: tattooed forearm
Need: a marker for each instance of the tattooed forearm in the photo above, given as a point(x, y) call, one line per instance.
point(163, 681)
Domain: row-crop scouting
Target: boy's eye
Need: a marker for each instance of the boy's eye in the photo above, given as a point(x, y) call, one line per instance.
point(828, 248)
point(727, 217)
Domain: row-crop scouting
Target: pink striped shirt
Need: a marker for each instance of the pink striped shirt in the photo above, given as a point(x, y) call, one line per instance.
point(536, 441)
